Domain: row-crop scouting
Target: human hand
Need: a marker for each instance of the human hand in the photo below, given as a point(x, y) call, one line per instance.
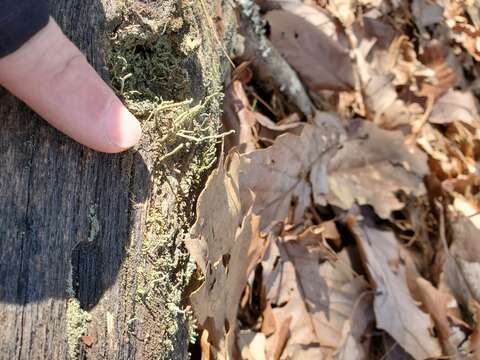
point(51, 75)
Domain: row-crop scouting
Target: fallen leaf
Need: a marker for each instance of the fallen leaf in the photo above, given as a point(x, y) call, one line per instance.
point(282, 338)
point(467, 208)
point(344, 10)
point(285, 172)
point(474, 340)
point(386, 61)
point(239, 117)
point(312, 13)
point(455, 106)
point(378, 91)
point(205, 345)
point(252, 345)
point(436, 303)
point(372, 166)
point(464, 251)
point(445, 152)
point(222, 232)
point(269, 324)
point(395, 310)
point(269, 124)
point(426, 13)
point(315, 239)
point(469, 37)
point(353, 345)
point(443, 76)
point(320, 299)
point(221, 194)
point(320, 62)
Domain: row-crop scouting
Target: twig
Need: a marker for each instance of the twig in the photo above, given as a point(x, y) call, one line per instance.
point(270, 67)
point(215, 34)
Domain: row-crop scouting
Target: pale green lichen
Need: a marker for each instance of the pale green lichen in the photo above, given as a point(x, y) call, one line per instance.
point(77, 320)
point(169, 74)
point(93, 223)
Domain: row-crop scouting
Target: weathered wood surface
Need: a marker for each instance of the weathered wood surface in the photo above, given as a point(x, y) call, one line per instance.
point(72, 224)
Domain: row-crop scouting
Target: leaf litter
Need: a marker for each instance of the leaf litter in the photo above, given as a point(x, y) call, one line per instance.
point(352, 233)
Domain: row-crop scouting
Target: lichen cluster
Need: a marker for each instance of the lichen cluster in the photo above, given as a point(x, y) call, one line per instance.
point(77, 319)
point(167, 67)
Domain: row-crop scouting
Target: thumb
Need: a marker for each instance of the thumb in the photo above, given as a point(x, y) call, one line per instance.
point(52, 76)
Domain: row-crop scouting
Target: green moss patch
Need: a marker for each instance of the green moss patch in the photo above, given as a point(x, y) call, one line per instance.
point(167, 66)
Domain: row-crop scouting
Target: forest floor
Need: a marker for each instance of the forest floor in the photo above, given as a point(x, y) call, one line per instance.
point(343, 220)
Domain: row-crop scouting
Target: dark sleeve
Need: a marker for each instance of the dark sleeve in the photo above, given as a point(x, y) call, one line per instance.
point(19, 21)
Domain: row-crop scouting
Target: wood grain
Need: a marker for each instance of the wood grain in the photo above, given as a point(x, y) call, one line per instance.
point(50, 190)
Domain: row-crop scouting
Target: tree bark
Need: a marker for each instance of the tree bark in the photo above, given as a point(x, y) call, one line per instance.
point(92, 263)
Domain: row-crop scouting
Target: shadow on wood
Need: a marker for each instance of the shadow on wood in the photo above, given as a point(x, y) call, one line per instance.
point(108, 230)
point(65, 214)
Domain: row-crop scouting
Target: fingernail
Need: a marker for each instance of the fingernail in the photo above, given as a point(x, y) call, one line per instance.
point(122, 128)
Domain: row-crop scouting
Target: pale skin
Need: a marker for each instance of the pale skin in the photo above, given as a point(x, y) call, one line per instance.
point(51, 75)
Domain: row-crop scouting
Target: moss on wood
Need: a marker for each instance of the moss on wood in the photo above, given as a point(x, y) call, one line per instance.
point(167, 63)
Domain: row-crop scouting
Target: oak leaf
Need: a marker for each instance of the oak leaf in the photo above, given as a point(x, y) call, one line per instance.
point(455, 106)
point(223, 243)
point(286, 172)
point(320, 62)
point(320, 299)
point(395, 310)
point(372, 166)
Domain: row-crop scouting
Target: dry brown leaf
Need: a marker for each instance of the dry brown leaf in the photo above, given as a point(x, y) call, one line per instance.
point(395, 310)
point(474, 340)
point(426, 13)
point(469, 37)
point(315, 15)
point(401, 60)
point(463, 270)
point(372, 166)
point(455, 106)
point(215, 303)
point(269, 124)
point(450, 161)
point(285, 172)
point(282, 338)
point(320, 299)
point(467, 208)
point(205, 345)
point(239, 117)
point(392, 350)
point(320, 62)
point(353, 344)
point(219, 213)
point(443, 77)
point(381, 69)
point(386, 61)
point(223, 243)
point(436, 303)
point(344, 10)
point(315, 238)
point(269, 325)
point(378, 91)
point(252, 345)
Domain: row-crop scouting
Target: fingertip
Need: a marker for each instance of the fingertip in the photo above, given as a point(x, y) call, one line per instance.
point(122, 129)
point(53, 77)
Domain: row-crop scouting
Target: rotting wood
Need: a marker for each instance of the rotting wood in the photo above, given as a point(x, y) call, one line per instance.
point(91, 244)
